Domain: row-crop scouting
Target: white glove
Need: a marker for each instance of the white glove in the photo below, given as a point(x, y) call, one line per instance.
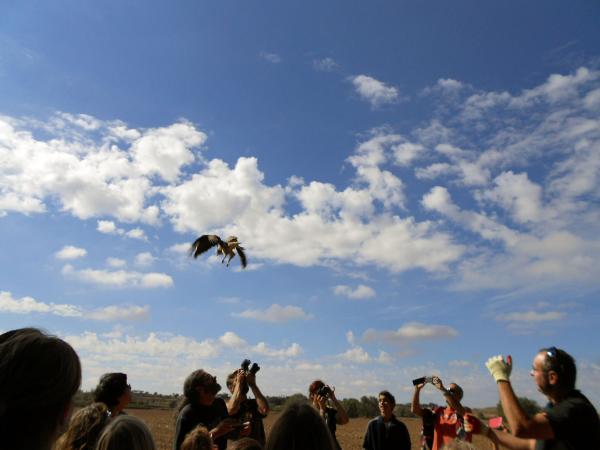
point(499, 368)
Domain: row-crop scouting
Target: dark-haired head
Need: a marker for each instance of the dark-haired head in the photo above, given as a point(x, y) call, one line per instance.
point(198, 388)
point(39, 375)
point(563, 364)
point(299, 427)
point(113, 390)
point(389, 397)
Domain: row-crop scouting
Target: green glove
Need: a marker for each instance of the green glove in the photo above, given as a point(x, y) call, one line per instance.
point(499, 368)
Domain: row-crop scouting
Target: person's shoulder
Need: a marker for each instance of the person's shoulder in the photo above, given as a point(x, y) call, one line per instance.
point(185, 412)
point(375, 420)
point(398, 422)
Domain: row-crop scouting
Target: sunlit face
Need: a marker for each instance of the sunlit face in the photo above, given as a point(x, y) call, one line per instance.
point(386, 408)
point(539, 375)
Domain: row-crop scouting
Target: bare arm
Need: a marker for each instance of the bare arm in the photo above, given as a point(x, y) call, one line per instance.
point(509, 441)
point(415, 407)
point(233, 405)
point(452, 401)
point(536, 427)
point(263, 404)
point(341, 417)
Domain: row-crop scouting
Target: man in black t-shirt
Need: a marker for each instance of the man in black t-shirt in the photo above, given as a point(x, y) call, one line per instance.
point(569, 421)
point(245, 410)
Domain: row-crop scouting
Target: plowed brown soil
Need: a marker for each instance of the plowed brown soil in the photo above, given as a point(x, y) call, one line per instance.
point(350, 436)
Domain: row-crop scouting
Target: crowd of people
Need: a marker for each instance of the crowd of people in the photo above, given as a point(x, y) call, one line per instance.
point(40, 375)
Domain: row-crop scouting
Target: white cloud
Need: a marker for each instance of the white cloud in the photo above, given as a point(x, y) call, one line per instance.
point(293, 351)
point(109, 227)
point(361, 292)
point(374, 91)
point(116, 313)
point(29, 305)
point(532, 316)
point(325, 64)
point(357, 355)
point(144, 259)
point(411, 331)
point(275, 313)
point(273, 58)
point(70, 252)
point(116, 262)
point(119, 278)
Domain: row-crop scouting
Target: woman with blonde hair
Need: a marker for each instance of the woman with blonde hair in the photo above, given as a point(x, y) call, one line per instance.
point(85, 428)
point(126, 432)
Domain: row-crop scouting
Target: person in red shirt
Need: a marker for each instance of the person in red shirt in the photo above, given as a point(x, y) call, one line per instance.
point(449, 421)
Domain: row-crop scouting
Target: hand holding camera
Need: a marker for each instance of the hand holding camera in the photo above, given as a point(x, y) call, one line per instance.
point(420, 382)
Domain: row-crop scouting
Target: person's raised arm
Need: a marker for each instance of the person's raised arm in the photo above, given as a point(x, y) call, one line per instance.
point(233, 405)
point(522, 426)
point(261, 401)
point(450, 397)
point(415, 406)
point(341, 417)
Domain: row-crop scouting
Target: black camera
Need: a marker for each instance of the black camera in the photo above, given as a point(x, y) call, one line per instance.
point(246, 367)
point(324, 391)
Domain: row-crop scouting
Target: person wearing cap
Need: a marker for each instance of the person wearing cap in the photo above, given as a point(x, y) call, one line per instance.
point(114, 391)
point(569, 420)
point(201, 406)
point(449, 421)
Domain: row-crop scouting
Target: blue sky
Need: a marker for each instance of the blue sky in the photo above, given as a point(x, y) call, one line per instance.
point(416, 185)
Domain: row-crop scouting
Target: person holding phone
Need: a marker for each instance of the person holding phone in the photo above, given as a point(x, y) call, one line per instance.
point(448, 421)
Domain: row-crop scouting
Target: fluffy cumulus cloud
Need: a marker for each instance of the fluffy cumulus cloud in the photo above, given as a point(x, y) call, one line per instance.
point(70, 252)
point(412, 331)
point(376, 92)
point(506, 187)
point(275, 313)
point(119, 278)
point(29, 305)
point(360, 292)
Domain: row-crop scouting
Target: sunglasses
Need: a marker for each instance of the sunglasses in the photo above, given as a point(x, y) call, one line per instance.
point(551, 352)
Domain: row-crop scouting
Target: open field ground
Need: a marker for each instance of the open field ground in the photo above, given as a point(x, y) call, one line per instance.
point(350, 436)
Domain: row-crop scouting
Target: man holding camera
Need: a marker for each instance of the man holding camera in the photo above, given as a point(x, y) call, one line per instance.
point(321, 395)
point(246, 410)
point(569, 421)
point(448, 421)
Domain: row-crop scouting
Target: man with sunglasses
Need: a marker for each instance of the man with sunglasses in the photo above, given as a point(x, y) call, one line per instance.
point(569, 421)
point(448, 421)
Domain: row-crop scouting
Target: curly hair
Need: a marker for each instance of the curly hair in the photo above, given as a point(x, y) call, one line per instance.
point(198, 439)
point(85, 428)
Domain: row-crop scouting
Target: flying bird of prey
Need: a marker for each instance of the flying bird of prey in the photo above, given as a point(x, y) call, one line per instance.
point(229, 247)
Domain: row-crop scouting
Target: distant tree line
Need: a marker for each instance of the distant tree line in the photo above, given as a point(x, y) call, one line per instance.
point(366, 406)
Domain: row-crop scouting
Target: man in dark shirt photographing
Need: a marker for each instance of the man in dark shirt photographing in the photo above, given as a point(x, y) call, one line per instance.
point(569, 421)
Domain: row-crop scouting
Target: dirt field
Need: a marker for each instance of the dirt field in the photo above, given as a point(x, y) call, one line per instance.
point(350, 436)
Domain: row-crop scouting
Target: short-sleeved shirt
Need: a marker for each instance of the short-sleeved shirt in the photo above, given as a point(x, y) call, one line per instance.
point(249, 412)
point(193, 415)
point(447, 424)
point(574, 422)
point(392, 435)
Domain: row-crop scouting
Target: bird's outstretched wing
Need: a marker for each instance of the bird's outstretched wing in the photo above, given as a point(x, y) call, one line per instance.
point(243, 260)
point(203, 243)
